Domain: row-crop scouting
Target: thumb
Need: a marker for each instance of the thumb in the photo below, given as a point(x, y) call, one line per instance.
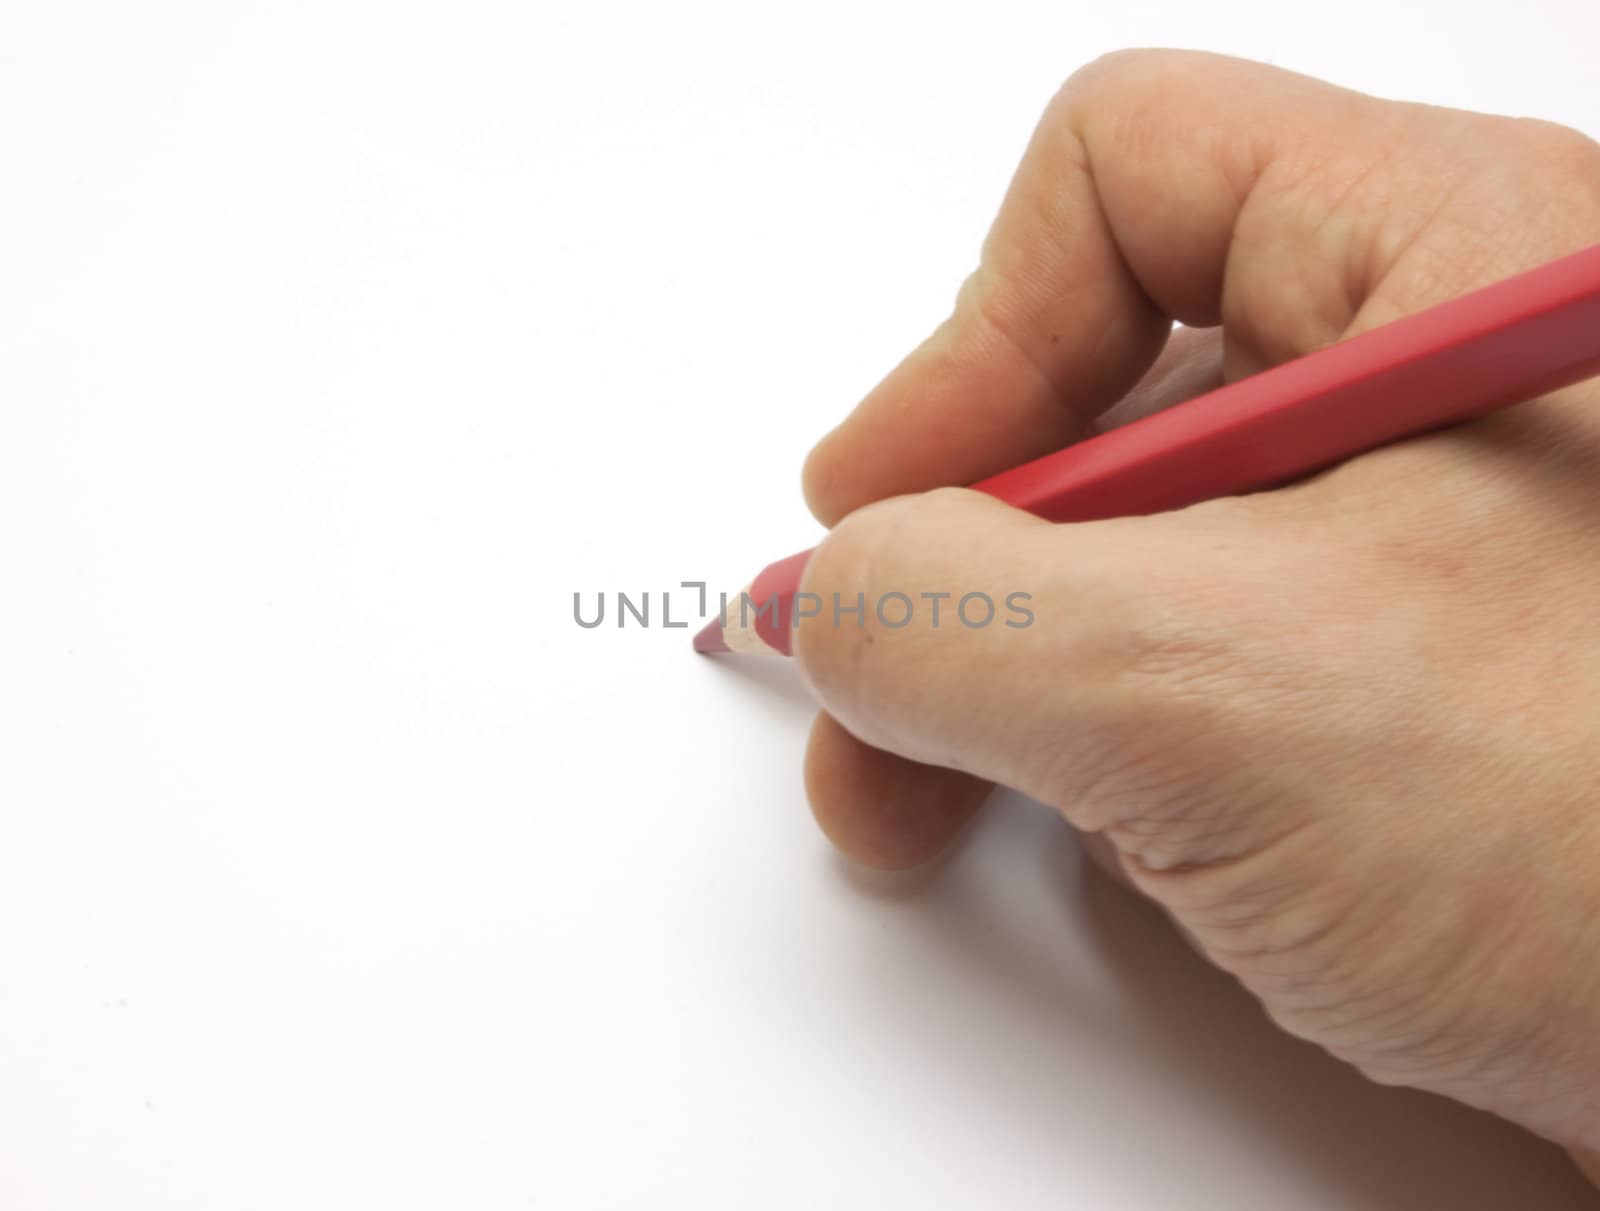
point(955, 630)
point(1131, 673)
point(914, 618)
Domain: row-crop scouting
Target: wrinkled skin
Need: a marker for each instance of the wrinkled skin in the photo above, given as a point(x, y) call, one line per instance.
point(1346, 733)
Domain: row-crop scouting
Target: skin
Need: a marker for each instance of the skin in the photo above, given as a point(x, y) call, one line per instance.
point(1345, 732)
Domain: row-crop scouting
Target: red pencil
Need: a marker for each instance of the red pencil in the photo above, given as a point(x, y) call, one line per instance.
point(1487, 350)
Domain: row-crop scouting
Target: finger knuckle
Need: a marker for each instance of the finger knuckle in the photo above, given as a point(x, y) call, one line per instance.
point(1561, 147)
point(1132, 66)
point(1121, 87)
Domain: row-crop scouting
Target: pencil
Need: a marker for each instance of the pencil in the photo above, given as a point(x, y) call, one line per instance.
point(1495, 347)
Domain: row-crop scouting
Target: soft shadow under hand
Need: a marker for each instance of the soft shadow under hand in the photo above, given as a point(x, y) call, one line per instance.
point(1024, 916)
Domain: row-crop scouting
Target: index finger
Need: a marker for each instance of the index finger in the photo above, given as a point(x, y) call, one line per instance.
point(1123, 215)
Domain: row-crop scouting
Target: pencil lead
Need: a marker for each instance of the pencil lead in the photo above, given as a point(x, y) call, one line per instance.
point(710, 639)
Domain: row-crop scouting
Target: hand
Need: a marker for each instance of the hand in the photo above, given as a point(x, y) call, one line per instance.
point(1347, 733)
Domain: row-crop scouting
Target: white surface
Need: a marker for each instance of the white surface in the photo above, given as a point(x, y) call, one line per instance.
point(338, 867)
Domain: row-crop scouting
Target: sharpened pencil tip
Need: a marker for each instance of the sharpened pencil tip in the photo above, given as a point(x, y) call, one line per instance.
point(710, 639)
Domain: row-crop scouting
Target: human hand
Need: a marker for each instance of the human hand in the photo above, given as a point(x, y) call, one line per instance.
point(1346, 733)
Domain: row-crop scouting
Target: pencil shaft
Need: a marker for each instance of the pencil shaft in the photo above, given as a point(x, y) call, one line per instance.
point(1498, 346)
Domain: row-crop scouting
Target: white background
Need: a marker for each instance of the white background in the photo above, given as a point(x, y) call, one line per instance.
point(340, 343)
